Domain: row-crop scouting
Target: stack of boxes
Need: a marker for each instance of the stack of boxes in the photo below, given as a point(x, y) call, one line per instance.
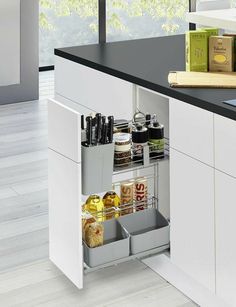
point(207, 51)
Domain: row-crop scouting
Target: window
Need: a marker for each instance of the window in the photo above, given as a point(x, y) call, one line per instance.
point(66, 23)
point(132, 19)
point(75, 22)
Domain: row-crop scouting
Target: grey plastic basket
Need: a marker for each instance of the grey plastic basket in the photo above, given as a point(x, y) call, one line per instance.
point(116, 246)
point(148, 229)
point(97, 168)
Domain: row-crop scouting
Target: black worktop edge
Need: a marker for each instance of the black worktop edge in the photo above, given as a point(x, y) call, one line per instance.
point(218, 109)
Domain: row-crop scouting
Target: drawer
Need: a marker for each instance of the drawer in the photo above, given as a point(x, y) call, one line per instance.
point(93, 89)
point(191, 131)
point(64, 135)
point(225, 145)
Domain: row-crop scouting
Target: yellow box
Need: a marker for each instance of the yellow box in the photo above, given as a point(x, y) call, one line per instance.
point(221, 53)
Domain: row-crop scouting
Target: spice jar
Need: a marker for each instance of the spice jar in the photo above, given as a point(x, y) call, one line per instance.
point(121, 125)
point(122, 149)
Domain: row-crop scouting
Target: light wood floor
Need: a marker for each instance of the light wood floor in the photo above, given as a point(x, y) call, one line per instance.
point(27, 278)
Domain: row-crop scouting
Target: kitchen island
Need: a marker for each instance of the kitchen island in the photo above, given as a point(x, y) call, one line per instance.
point(197, 184)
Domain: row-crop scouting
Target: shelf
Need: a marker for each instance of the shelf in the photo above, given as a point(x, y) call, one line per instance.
point(135, 166)
point(223, 19)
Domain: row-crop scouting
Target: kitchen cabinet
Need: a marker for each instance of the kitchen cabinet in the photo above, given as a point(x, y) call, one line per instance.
point(225, 187)
point(99, 78)
point(192, 218)
point(191, 131)
point(93, 89)
point(225, 145)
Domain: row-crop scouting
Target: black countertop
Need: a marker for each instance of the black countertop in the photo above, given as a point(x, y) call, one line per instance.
point(147, 62)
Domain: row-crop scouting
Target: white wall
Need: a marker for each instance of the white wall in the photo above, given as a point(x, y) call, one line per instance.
point(9, 42)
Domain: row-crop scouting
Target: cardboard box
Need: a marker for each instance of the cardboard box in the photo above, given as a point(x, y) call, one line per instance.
point(221, 53)
point(234, 37)
point(210, 31)
point(196, 51)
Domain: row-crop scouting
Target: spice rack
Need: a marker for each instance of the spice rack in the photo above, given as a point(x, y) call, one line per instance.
point(66, 171)
point(144, 162)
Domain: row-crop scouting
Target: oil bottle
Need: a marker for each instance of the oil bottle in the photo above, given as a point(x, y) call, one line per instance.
point(111, 200)
point(95, 206)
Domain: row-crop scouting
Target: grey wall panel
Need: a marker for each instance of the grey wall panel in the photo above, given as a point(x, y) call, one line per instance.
point(28, 87)
point(10, 42)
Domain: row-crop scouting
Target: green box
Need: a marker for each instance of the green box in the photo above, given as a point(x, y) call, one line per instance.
point(210, 31)
point(196, 51)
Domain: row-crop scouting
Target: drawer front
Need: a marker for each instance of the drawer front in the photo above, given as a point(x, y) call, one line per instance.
point(225, 237)
point(65, 226)
point(93, 89)
point(225, 145)
point(192, 218)
point(64, 131)
point(191, 131)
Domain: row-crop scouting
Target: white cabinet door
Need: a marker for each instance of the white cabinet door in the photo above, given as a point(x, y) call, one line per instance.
point(191, 131)
point(93, 89)
point(192, 218)
point(65, 228)
point(64, 130)
point(225, 144)
point(64, 163)
point(225, 237)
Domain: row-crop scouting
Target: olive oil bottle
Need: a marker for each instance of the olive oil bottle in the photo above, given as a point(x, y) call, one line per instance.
point(111, 200)
point(95, 206)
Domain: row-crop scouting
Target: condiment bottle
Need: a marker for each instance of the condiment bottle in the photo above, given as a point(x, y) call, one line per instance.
point(122, 149)
point(156, 139)
point(95, 206)
point(140, 139)
point(111, 200)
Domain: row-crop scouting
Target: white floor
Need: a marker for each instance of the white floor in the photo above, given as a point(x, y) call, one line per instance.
point(27, 278)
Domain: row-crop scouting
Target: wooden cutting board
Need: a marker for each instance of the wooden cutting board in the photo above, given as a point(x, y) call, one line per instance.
point(202, 79)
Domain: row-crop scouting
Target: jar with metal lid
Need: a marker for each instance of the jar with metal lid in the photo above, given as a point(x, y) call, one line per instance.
point(122, 149)
point(140, 139)
point(122, 125)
